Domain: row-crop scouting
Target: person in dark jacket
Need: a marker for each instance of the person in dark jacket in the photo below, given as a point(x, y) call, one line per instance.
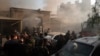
point(13, 47)
point(40, 50)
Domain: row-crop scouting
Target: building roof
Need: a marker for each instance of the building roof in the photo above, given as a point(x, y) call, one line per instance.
point(7, 18)
point(39, 10)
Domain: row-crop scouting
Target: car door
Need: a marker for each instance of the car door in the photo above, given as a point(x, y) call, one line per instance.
point(96, 52)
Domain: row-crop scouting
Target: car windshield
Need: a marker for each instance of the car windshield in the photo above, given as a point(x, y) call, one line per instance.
point(75, 49)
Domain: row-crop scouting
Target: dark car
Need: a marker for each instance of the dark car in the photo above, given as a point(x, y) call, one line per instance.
point(86, 46)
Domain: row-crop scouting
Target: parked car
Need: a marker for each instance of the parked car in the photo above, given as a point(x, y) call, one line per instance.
point(53, 36)
point(86, 46)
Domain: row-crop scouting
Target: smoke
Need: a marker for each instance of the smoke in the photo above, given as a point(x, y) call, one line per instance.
point(49, 5)
point(30, 22)
point(72, 15)
point(29, 4)
point(4, 5)
point(52, 5)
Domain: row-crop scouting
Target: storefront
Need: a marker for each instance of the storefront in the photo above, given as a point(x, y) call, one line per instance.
point(9, 24)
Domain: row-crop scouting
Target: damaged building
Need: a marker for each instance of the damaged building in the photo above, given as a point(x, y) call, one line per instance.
point(8, 24)
point(28, 19)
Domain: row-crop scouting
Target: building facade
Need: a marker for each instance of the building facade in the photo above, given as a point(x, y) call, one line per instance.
point(32, 18)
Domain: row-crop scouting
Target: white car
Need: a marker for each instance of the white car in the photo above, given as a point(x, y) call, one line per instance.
point(51, 37)
point(86, 46)
point(53, 34)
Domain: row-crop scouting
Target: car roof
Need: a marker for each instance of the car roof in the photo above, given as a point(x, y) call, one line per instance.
point(56, 33)
point(92, 40)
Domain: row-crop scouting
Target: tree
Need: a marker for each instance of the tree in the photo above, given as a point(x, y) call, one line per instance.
point(95, 18)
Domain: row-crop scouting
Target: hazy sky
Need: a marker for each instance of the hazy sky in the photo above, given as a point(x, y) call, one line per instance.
point(50, 5)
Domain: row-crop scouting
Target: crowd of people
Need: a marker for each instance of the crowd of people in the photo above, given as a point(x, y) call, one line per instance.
point(25, 44)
